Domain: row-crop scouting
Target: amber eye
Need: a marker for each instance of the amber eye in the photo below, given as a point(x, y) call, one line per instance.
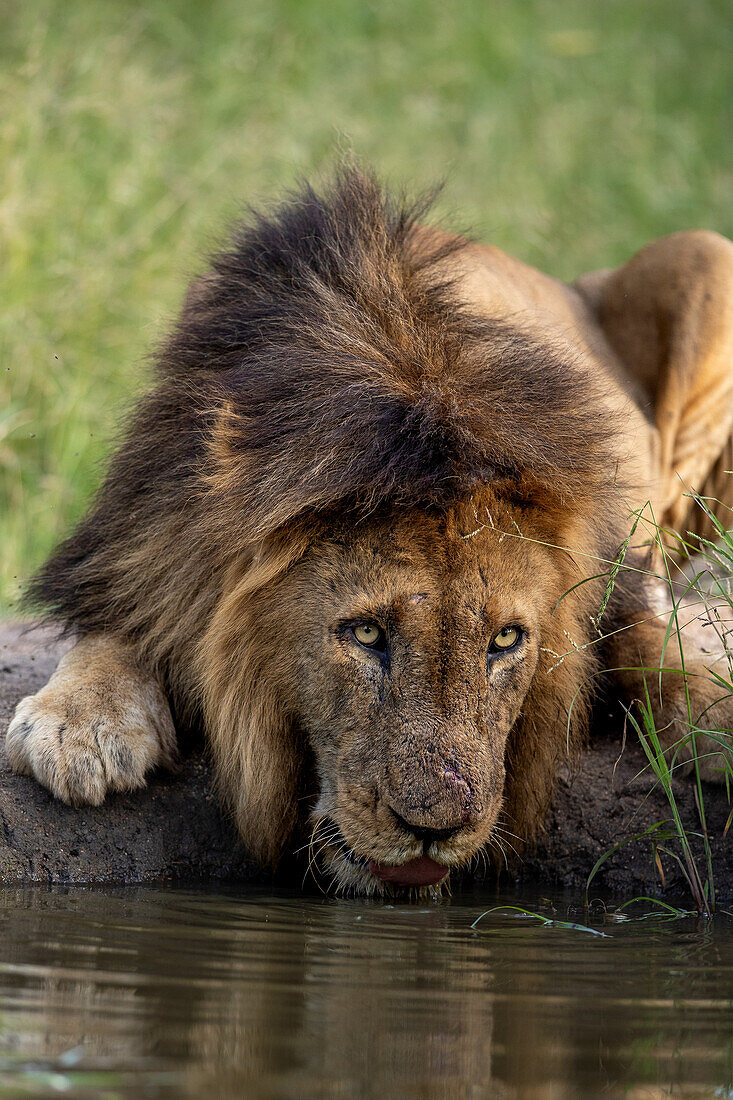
point(506, 638)
point(369, 634)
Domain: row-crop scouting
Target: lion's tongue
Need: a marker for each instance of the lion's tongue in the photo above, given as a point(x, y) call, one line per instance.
point(418, 872)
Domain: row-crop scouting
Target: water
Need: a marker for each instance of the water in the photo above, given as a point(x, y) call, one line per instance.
point(164, 992)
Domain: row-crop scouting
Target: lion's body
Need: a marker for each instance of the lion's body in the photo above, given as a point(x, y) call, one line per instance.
point(353, 404)
point(643, 352)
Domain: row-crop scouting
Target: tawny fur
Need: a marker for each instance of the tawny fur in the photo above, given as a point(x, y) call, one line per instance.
point(351, 407)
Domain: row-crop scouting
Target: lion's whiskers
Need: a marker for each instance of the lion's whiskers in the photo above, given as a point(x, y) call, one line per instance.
point(479, 861)
point(332, 833)
point(501, 835)
point(497, 843)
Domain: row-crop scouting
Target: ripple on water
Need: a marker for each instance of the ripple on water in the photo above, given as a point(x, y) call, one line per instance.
point(163, 992)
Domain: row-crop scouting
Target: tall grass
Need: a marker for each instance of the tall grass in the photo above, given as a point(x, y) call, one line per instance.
point(701, 584)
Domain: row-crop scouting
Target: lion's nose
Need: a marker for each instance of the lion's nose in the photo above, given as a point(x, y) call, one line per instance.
point(428, 836)
point(436, 806)
point(442, 807)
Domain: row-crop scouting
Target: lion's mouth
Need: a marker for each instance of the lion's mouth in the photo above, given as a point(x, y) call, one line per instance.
point(422, 871)
point(416, 872)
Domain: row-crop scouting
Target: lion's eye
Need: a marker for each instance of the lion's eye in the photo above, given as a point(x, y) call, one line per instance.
point(369, 634)
point(506, 638)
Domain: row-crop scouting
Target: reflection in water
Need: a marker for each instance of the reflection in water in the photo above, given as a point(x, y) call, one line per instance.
point(172, 993)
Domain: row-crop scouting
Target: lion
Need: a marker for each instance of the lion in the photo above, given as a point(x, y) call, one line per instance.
point(361, 529)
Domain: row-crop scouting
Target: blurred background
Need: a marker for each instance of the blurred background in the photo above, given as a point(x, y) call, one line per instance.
point(569, 132)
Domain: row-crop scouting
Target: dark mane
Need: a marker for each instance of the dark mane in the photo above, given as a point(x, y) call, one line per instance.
point(325, 362)
point(350, 372)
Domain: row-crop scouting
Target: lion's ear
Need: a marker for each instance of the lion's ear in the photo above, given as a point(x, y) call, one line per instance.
point(257, 749)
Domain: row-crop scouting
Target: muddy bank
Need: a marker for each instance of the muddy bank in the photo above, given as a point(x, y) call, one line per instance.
point(611, 797)
point(173, 830)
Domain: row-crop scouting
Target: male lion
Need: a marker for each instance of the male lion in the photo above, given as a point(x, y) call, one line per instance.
point(361, 529)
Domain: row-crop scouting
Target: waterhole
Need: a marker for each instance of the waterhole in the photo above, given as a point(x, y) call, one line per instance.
point(151, 992)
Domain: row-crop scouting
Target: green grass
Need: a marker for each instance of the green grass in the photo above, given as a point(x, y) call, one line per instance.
point(698, 578)
point(569, 132)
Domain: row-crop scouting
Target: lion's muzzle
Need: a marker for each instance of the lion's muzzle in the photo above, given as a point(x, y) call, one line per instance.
point(433, 803)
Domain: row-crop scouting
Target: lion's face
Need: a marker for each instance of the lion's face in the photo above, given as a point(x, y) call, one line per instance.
point(412, 645)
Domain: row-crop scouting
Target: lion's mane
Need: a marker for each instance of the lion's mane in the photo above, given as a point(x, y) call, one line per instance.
point(323, 367)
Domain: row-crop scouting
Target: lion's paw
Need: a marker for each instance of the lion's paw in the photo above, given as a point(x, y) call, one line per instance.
point(80, 743)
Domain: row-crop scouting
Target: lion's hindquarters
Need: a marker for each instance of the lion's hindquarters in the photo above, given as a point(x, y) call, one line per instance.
point(672, 663)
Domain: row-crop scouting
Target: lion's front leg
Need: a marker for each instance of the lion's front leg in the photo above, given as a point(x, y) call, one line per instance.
point(99, 724)
point(668, 664)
